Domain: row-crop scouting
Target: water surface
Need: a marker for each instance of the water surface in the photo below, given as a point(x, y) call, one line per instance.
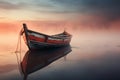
point(94, 56)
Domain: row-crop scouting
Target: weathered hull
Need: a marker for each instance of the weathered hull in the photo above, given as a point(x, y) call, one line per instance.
point(40, 45)
point(35, 40)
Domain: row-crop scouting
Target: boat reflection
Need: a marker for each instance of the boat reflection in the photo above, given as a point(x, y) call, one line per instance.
point(35, 60)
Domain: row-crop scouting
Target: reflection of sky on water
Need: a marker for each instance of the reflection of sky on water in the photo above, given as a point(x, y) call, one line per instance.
point(93, 57)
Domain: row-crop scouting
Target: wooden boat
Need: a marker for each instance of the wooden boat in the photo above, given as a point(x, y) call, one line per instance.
point(37, 59)
point(35, 40)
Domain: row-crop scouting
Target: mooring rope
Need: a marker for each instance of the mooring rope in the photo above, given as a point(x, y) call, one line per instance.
point(18, 53)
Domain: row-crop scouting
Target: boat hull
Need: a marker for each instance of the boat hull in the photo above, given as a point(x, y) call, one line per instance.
point(35, 40)
point(40, 45)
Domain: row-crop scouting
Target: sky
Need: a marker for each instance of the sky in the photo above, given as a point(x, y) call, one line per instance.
point(34, 10)
point(42, 9)
point(78, 13)
point(53, 16)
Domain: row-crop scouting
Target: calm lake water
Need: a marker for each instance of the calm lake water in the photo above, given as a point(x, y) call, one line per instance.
point(94, 56)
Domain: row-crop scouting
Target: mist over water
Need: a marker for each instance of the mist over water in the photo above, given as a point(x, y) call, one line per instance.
point(94, 24)
point(95, 56)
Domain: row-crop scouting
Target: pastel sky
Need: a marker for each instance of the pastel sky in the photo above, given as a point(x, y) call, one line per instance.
point(96, 13)
point(36, 10)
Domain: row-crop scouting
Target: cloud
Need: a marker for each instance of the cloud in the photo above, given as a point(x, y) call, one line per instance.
point(31, 5)
point(43, 4)
point(109, 9)
point(8, 5)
